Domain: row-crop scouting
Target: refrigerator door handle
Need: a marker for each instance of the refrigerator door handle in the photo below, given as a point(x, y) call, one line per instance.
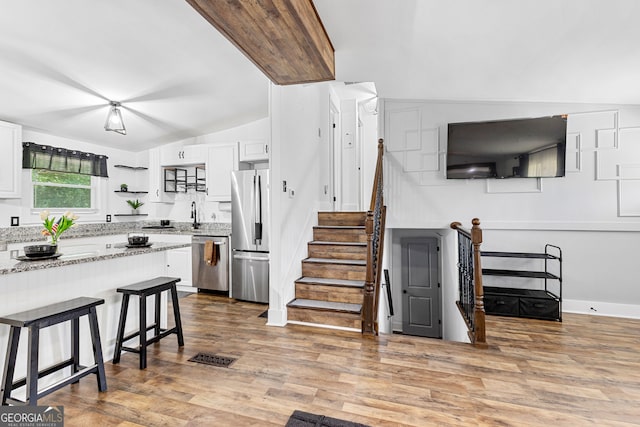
point(258, 222)
point(250, 258)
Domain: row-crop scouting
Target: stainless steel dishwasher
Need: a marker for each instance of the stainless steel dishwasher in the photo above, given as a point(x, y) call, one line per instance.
point(211, 277)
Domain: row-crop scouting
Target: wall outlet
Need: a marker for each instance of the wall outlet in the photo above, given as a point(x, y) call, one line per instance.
point(108, 218)
point(15, 221)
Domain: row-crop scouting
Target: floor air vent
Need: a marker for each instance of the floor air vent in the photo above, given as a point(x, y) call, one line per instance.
point(213, 359)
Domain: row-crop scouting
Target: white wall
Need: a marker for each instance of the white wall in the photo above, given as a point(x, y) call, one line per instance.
point(298, 113)
point(108, 203)
point(209, 211)
point(593, 213)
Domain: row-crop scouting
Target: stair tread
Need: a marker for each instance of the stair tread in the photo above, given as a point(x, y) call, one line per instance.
point(323, 242)
point(340, 227)
point(336, 261)
point(331, 282)
point(325, 305)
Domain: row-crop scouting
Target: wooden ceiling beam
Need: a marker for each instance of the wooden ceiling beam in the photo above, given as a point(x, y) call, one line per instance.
point(283, 38)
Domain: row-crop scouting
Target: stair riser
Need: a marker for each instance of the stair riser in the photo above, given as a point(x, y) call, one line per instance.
point(337, 251)
point(341, 218)
point(333, 318)
point(329, 293)
point(334, 271)
point(340, 235)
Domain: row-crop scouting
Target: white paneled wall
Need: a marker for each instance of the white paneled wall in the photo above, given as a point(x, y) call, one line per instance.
point(598, 200)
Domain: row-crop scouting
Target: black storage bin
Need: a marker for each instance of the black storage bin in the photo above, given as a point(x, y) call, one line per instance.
point(536, 308)
point(501, 304)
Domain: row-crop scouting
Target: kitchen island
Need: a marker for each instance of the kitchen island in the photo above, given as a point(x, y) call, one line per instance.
point(92, 267)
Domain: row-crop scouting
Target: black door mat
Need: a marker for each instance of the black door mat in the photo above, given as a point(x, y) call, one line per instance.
point(305, 419)
point(213, 359)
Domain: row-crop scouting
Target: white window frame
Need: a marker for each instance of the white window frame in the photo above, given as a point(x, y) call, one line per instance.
point(95, 188)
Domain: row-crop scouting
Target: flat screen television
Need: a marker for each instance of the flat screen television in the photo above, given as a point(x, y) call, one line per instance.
point(519, 148)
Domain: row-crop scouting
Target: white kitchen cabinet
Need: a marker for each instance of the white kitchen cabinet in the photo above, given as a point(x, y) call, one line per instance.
point(221, 160)
point(156, 179)
point(179, 265)
point(11, 160)
point(178, 154)
point(256, 150)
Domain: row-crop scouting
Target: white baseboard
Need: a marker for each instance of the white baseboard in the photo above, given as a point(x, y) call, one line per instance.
point(186, 288)
point(596, 308)
point(277, 317)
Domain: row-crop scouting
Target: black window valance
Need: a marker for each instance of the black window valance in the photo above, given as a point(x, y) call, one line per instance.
point(36, 156)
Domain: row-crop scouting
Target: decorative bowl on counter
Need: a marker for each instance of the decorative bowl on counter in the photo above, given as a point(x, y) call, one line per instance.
point(39, 251)
point(136, 239)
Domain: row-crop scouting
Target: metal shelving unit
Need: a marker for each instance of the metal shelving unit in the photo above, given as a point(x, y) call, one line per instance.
point(532, 303)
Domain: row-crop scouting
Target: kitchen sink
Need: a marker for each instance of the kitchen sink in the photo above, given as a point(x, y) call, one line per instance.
point(158, 227)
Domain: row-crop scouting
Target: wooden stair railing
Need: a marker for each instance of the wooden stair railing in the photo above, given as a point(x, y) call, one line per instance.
point(471, 294)
point(374, 224)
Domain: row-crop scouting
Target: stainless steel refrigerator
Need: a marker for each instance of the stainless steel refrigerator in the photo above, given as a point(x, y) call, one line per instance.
point(250, 235)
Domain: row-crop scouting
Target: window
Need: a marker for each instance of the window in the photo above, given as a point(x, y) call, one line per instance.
point(61, 190)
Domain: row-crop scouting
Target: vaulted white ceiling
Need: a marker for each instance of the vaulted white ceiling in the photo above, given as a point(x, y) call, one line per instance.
point(62, 61)
point(176, 76)
point(514, 50)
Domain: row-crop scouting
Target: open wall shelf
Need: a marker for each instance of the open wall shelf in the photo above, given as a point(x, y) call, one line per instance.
point(139, 168)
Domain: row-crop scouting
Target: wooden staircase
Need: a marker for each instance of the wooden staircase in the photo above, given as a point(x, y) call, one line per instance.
point(330, 291)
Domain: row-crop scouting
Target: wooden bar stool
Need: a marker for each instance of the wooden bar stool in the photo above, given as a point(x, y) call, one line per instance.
point(40, 318)
point(144, 289)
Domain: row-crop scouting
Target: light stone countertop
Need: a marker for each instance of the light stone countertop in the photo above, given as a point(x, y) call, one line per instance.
point(73, 253)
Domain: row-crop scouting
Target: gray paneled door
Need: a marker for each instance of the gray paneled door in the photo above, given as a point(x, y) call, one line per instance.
point(421, 302)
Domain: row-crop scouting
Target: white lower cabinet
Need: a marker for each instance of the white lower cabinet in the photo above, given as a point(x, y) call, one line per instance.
point(179, 265)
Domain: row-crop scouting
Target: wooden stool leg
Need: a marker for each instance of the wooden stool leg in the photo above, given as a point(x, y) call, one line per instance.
point(32, 368)
point(97, 349)
point(176, 315)
point(143, 332)
point(121, 324)
point(75, 345)
point(10, 363)
point(157, 298)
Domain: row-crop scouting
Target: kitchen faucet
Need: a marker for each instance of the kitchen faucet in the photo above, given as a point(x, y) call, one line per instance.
point(194, 215)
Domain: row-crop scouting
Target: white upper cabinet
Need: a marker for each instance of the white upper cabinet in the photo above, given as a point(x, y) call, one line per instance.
point(256, 150)
point(156, 179)
point(11, 160)
point(179, 154)
point(222, 159)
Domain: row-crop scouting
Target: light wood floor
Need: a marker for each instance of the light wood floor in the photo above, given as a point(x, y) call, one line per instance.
point(584, 371)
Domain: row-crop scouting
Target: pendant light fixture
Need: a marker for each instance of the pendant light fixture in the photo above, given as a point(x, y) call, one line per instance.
point(114, 121)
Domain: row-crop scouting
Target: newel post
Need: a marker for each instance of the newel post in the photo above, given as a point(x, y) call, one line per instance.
point(479, 315)
point(368, 327)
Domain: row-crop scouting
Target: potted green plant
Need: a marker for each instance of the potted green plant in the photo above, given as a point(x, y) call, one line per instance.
point(124, 187)
point(135, 204)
